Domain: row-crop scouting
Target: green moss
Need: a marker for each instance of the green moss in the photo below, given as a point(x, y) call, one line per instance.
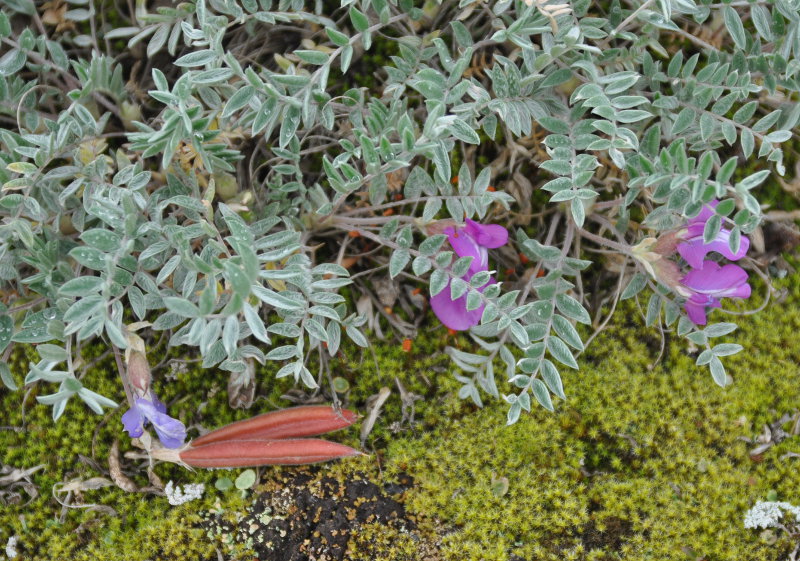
point(641, 462)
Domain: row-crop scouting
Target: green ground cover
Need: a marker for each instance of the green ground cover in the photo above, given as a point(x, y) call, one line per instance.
point(643, 461)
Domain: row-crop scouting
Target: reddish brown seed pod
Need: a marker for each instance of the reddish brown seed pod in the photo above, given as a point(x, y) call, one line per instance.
point(295, 422)
point(252, 453)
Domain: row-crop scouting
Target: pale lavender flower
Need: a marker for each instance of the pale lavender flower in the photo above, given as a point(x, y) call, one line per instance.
point(711, 282)
point(694, 250)
point(472, 240)
point(171, 432)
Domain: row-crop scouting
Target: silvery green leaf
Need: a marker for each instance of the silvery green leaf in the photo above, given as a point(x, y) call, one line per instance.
point(432, 244)
point(541, 394)
point(81, 286)
point(482, 181)
point(571, 308)
point(712, 228)
point(479, 279)
point(432, 207)
point(398, 262)
point(671, 312)
point(196, 58)
point(697, 337)
point(288, 369)
point(82, 309)
point(578, 212)
point(418, 182)
point(635, 286)
point(726, 349)
point(734, 24)
point(312, 57)
point(238, 100)
point(388, 229)
point(6, 332)
point(457, 288)
point(37, 334)
point(513, 413)
point(52, 353)
point(543, 252)
point(5, 23)
point(324, 311)
point(230, 334)
point(12, 62)
point(307, 378)
point(282, 353)
point(778, 136)
point(326, 284)
point(334, 337)
point(719, 329)
point(653, 309)
point(552, 378)
point(405, 237)
point(356, 336)
point(101, 239)
point(461, 265)
point(328, 298)
point(684, 119)
point(339, 39)
point(6, 377)
point(360, 21)
point(168, 268)
point(718, 372)
point(89, 257)
point(462, 131)
point(561, 352)
point(213, 76)
point(439, 281)
point(316, 329)
point(567, 332)
point(346, 57)
point(180, 306)
point(421, 265)
point(441, 160)
point(285, 329)
point(95, 401)
point(735, 239)
point(767, 121)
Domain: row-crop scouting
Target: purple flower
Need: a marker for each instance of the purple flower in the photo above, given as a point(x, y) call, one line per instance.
point(470, 241)
point(170, 431)
point(711, 282)
point(694, 250)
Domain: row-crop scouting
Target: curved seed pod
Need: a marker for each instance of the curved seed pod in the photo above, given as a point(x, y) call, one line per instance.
point(294, 422)
point(251, 453)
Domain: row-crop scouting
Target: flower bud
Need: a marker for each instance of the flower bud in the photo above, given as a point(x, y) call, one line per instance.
point(139, 371)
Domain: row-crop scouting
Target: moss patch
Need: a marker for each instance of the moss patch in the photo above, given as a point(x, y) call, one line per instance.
point(641, 462)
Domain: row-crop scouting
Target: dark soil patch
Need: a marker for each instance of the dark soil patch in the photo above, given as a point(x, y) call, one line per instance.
point(306, 518)
point(611, 538)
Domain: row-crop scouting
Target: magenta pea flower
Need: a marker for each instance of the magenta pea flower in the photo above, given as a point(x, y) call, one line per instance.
point(711, 282)
point(694, 250)
point(171, 432)
point(472, 240)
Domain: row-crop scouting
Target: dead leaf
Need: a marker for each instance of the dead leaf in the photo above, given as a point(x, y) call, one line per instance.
point(78, 485)
point(242, 387)
point(120, 479)
point(374, 403)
